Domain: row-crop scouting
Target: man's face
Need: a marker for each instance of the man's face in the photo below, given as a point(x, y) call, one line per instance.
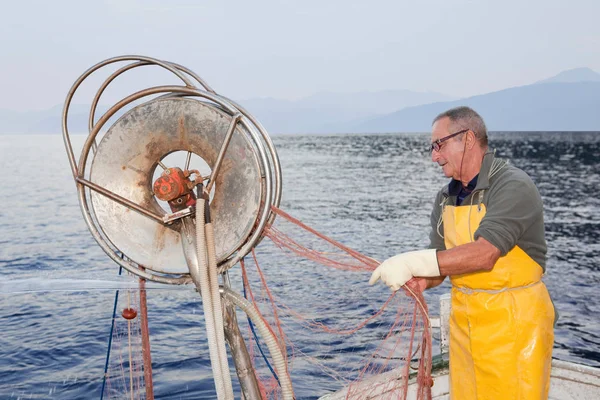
point(450, 155)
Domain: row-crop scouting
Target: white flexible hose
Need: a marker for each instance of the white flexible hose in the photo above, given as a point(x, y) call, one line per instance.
point(201, 277)
point(206, 278)
point(217, 310)
point(279, 364)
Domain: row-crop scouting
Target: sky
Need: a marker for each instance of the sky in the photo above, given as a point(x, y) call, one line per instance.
point(292, 49)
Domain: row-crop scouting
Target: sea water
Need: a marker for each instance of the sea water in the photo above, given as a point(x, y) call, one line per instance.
point(373, 193)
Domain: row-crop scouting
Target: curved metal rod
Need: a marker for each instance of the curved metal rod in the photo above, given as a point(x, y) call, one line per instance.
point(256, 235)
point(126, 68)
point(254, 238)
point(87, 73)
point(274, 155)
point(195, 76)
point(103, 88)
point(105, 85)
point(94, 106)
point(252, 124)
point(125, 263)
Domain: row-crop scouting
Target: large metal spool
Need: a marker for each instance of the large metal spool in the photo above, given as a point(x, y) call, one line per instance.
point(125, 162)
point(114, 180)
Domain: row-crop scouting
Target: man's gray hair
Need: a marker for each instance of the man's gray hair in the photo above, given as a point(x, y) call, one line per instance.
point(466, 118)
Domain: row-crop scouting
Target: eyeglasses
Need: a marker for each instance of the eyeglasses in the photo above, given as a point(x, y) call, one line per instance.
point(437, 144)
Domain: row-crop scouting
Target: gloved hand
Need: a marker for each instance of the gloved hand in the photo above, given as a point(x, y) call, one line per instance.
point(398, 270)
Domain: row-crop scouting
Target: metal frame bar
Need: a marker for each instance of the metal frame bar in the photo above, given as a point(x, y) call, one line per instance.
point(87, 73)
point(224, 146)
point(121, 200)
point(128, 67)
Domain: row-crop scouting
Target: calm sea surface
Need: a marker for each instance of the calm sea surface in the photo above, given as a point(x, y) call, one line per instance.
point(372, 192)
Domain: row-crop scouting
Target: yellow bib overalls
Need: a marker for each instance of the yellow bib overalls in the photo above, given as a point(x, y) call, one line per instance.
point(501, 324)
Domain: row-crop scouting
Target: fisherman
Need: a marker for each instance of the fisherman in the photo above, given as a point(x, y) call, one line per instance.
point(487, 235)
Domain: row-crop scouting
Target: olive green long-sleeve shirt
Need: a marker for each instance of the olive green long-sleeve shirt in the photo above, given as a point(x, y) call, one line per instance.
point(514, 210)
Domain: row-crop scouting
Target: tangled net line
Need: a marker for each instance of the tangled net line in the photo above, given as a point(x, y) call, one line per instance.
point(387, 345)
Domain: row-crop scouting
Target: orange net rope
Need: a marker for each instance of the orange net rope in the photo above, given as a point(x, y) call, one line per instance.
point(332, 327)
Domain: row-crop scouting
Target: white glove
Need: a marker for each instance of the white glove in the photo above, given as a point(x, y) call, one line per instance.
point(398, 270)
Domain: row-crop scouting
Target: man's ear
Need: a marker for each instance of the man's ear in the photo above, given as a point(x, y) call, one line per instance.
point(471, 139)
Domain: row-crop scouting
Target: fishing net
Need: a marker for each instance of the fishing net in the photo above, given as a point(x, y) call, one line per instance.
point(124, 375)
point(334, 330)
point(333, 327)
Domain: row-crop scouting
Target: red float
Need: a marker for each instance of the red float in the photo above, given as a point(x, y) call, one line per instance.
point(129, 313)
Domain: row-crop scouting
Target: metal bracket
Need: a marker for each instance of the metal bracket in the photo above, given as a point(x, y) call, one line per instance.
point(169, 218)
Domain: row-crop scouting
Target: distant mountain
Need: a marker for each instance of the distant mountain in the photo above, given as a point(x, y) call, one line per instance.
point(47, 121)
point(543, 106)
point(327, 112)
point(319, 113)
point(568, 101)
point(574, 75)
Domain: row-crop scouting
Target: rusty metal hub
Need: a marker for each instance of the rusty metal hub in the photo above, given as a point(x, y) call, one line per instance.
point(175, 187)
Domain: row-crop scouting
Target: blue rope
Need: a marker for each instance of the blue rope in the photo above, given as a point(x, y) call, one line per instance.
point(112, 327)
point(258, 344)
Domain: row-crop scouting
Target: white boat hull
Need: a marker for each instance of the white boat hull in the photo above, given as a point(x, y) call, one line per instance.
point(569, 381)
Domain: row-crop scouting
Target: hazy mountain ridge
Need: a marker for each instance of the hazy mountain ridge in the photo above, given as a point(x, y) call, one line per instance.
point(319, 113)
point(326, 112)
point(567, 101)
point(47, 121)
point(574, 75)
point(537, 107)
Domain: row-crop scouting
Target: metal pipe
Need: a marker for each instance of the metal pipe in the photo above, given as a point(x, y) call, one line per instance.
point(222, 151)
point(121, 200)
point(87, 73)
point(163, 166)
point(276, 163)
point(146, 354)
point(122, 70)
point(105, 84)
point(195, 76)
point(128, 67)
point(188, 158)
point(239, 351)
point(241, 357)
